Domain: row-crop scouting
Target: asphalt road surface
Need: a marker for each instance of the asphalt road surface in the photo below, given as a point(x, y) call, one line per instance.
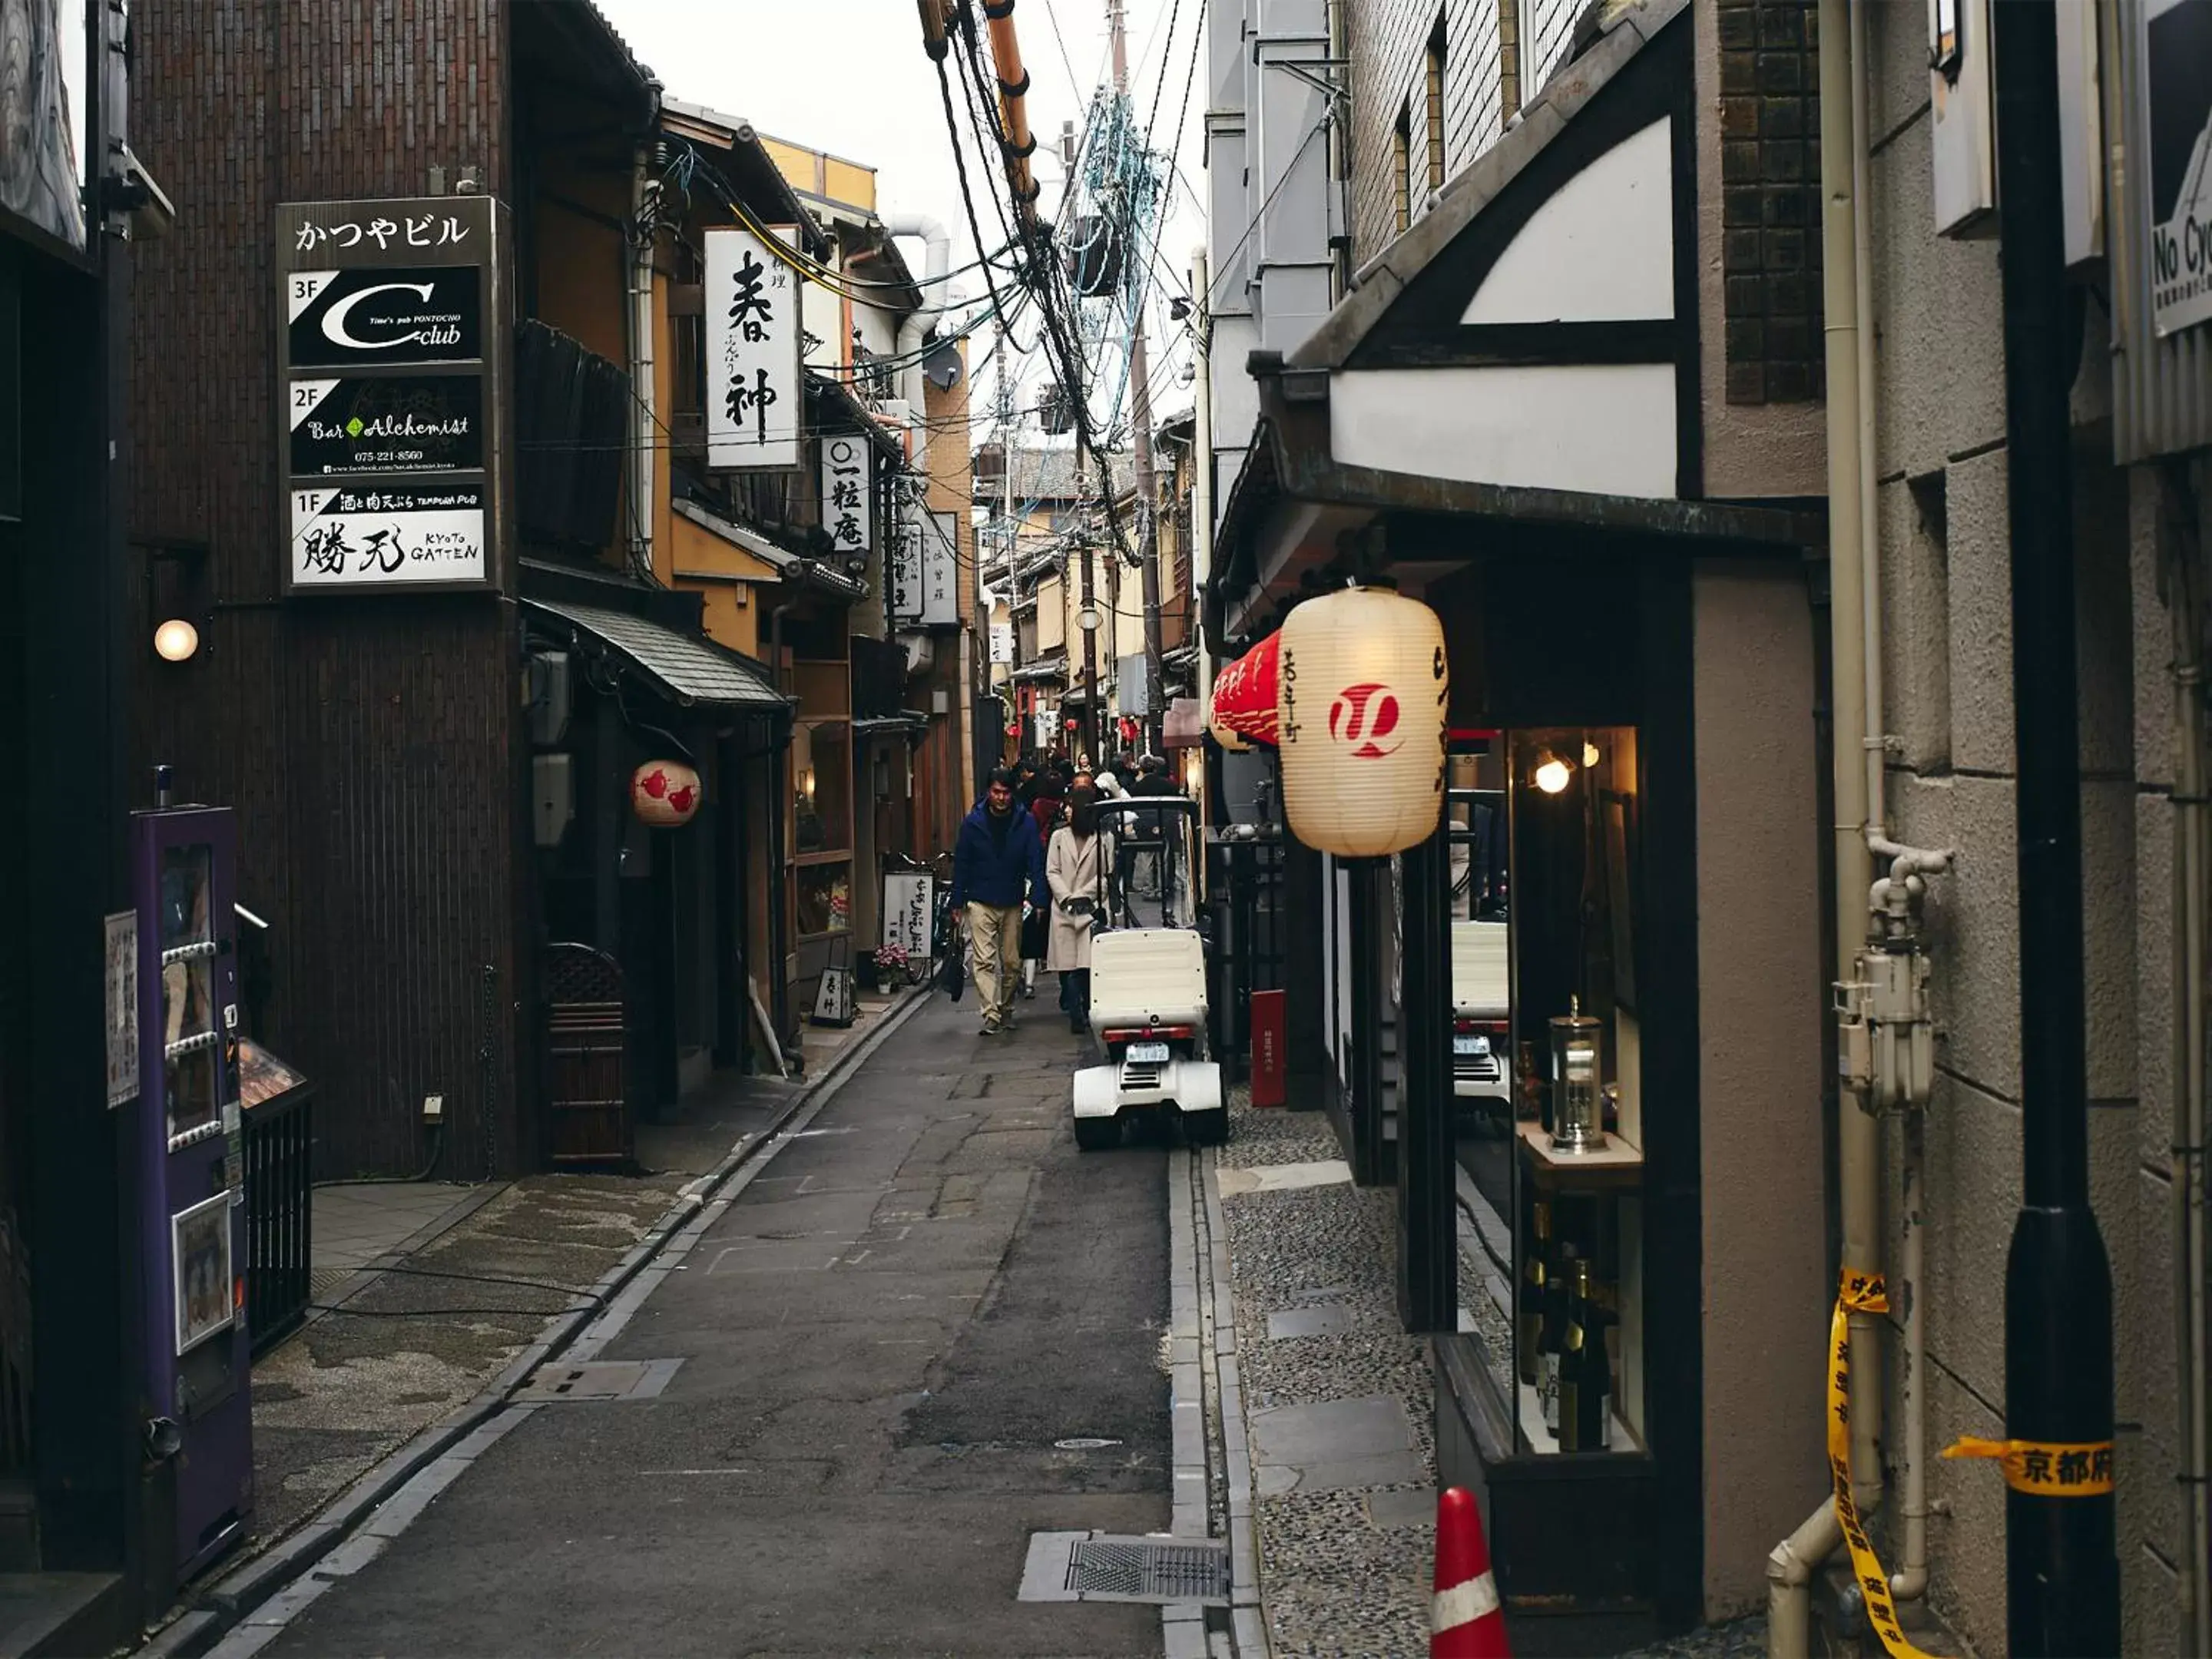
point(882, 1339)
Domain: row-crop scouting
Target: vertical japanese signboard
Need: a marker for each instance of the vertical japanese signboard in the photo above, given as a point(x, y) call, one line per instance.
point(940, 570)
point(393, 358)
point(753, 401)
point(2178, 76)
point(848, 498)
point(903, 591)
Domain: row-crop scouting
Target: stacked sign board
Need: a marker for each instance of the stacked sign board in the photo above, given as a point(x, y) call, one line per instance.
point(392, 360)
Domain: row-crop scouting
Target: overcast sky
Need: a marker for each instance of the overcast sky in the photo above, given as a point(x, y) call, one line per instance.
point(849, 77)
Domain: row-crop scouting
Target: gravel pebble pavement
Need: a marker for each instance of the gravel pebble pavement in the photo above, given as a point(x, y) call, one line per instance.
point(1333, 1581)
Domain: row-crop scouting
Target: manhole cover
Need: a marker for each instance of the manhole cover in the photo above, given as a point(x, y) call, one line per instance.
point(1083, 1567)
point(1084, 1442)
point(1148, 1570)
point(598, 1380)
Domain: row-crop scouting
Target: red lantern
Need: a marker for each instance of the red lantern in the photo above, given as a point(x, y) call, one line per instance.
point(1361, 700)
point(665, 793)
point(1244, 697)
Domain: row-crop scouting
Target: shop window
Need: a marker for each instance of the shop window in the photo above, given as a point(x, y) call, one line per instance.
point(1546, 1064)
point(1433, 106)
point(1401, 168)
point(825, 899)
point(822, 786)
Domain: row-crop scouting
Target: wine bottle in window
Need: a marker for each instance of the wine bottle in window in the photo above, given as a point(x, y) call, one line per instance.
point(1585, 1421)
point(1552, 1337)
point(1534, 1250)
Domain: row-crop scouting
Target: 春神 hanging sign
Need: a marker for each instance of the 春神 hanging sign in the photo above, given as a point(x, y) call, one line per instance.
point(754, 404)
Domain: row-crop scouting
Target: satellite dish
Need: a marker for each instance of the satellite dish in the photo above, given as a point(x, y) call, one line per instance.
point(943, 367)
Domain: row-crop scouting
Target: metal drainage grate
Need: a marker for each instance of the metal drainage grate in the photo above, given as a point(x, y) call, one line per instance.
point(598, 1380)
point(1081, 1567)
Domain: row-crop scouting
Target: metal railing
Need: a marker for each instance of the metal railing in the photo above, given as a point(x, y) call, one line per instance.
point(279, 1151)
point(1244, 884)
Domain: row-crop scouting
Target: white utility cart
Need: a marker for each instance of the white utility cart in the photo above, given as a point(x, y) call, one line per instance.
point(1148, 982)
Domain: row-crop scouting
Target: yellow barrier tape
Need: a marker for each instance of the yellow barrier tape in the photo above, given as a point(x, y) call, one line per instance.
point(2046, 1468)
point(1859, 1293)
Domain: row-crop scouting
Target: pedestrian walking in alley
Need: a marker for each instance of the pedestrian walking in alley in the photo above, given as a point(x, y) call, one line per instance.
point(1047, 805)
point(1075, 869)
point(998, 863)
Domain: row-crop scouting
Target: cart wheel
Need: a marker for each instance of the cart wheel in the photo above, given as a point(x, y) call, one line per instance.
point(1097, 1134)
point(1207, 1128)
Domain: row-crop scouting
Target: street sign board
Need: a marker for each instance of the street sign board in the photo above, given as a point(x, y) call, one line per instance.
point(387, 424)
point(391, 535)
point(392, 363)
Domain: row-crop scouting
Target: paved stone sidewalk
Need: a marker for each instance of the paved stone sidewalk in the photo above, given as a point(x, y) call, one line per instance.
point(1337, 1398)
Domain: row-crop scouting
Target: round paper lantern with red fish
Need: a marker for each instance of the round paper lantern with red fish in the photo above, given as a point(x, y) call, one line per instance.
point(1361, 697)
point(1244, 697)
point(665, 793)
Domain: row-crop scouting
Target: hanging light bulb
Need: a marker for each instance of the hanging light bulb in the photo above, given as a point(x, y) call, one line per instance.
point(1551, 774)
point(176, 639)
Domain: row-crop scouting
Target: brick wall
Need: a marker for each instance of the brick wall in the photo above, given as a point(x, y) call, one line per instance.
point(1388, 43)
point(367, 742)
point(1771, 199)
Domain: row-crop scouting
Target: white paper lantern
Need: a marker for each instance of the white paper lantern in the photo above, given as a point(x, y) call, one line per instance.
point(665, 793)
point(1361, 714)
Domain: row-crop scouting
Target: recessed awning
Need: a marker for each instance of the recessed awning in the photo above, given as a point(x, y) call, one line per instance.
point(1054, 667)
point(687, 669)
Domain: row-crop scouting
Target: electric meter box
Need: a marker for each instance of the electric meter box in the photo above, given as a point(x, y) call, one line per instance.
point(552, 797)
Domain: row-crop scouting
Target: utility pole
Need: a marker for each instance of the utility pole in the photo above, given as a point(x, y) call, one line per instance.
point(1141, 389)
point(1086, 620)
point(2061, 1566)
point(1201, 499)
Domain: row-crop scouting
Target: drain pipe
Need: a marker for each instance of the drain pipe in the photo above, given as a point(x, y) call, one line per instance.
point(2190, 870)
point(937, 260)
point(644, 212)
point(1790, 1566)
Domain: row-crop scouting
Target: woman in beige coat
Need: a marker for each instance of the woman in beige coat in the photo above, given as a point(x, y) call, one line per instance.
point(1078, 865)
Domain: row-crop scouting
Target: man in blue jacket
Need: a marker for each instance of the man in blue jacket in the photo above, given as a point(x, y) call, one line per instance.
point(997, 862)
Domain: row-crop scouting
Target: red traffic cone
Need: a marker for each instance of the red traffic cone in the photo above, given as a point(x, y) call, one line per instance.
point(1465, 1619)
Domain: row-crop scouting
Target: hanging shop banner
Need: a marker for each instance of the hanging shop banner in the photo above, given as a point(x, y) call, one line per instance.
point(43, 167)
point(387, 536)
point(393, 359)
point(2178, 79)
point(359, 319)
point(940, 571)
point(753, 401)
point(848, 493)
point(904, 558)
point(390, 423)
point(1002, 642)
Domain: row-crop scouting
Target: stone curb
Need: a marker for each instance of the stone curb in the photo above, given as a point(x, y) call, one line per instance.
point(230, 1601)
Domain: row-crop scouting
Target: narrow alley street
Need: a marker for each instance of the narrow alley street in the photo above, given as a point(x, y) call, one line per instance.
point(880, 1343)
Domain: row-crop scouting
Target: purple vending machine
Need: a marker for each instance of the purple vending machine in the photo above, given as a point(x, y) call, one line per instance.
point(198, 1367)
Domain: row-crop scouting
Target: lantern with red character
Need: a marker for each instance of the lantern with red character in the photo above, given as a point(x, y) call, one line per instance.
point(1360, 719)
point(665, 793)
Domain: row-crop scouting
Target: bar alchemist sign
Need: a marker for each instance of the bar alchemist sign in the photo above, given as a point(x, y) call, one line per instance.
point(393, 356)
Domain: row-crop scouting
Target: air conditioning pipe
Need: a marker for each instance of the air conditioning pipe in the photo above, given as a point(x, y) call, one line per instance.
point(937, 260)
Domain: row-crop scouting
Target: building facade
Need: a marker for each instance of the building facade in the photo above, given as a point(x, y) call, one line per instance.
point(1449, 287)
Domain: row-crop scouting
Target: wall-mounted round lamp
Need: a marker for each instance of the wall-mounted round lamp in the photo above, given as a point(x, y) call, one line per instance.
point(176, 639)
point(1088, 618)
point(1551, 774)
